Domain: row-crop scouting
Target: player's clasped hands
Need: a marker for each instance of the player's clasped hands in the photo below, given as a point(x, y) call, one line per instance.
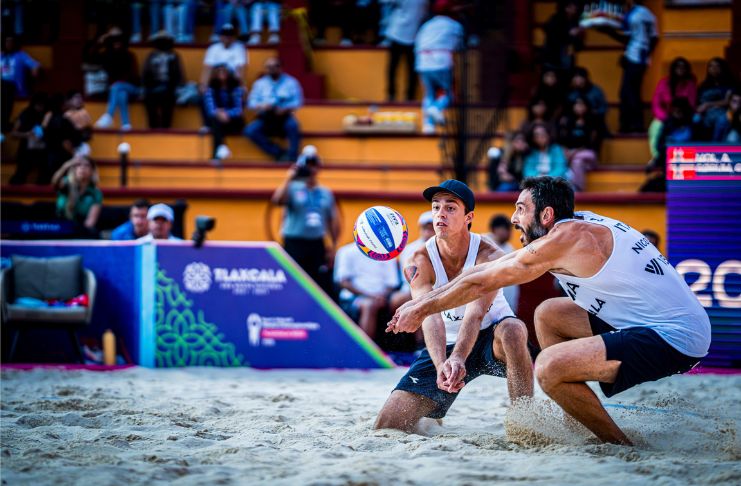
point(405, 319)
point(450, 375)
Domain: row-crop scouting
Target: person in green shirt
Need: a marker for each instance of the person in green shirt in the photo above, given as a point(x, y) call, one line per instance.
point(78, 198)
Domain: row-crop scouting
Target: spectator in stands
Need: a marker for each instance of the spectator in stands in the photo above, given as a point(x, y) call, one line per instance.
point(402, 25)
point(15, 64)
point(310, 215)
point(78, 115)
point(225, 11)
point(500, 230)
point(78, 198)
point(582, 86)
point(652, 236)
point(223, 108)
point(161, 75)
point(713, 97)
point(123, 76)
point(159, 219)
point(512, 161)
point(678, 127)
point(60, 136)
point(579, 136)
point(552, 92)
point(680, 83)
point(31, 149)
point(639, 33)
point(563, 36)
point(436, 41)
point(537, 112)
point(366, 286)
point(325, 13)
point(259, 11)
point(137, 226)
point(176, 17)
point(728, 128)
point(275, 97)
point(545, 156)
point(227, 51)
point(155, 10)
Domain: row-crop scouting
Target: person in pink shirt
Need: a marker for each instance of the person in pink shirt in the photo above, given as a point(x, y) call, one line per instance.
point(680, 83)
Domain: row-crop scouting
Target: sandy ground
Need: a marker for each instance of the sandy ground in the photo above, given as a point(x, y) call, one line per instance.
point(242, 426)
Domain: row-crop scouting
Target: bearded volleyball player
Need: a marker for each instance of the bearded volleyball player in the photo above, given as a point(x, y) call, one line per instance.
point(629, 318)
point(465, 342)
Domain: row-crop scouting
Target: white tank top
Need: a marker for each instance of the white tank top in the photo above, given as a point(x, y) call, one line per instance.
point(638, 287)
point(453, 318)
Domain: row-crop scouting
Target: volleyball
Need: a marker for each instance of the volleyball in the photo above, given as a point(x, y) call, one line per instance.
point(381, 233)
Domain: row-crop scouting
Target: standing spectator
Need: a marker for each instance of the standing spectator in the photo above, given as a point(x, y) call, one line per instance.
point(225, 11)
point(227, 51)
point(582, 86)
point(639, 33)
point(728, 128)
point(155, 10)
point(78, 198)
point(545, 156)
point(60, 136)
point(137, 225)
point(512, 162)
point(713, 97)
point(123, 76)
point(223, 108)
point(500, 230)
point(14, 63)
point(403, 23)
point(31, 149)
point(310, 215)
point(436, 41)
point(275, 97)
point(159, 220)
point(162, 74)
point(680, 83)
point(259, 11)
point(578, 135)
point(563, 37)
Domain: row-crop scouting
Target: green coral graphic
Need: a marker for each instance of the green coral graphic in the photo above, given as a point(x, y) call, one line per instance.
point(184, 338)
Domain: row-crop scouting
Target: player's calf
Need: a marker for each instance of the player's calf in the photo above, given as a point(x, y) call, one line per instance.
point(511, 347)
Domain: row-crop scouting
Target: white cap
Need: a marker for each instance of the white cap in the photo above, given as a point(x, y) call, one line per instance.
point(309, 151)
point(494, 153)
point(162, 210)
point(425, 218)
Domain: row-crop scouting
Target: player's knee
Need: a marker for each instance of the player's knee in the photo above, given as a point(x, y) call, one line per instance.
point(541, 314)
point(513, 333)
point(547, 372)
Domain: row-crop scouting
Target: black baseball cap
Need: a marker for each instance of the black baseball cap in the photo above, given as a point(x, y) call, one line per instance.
point(454, 187)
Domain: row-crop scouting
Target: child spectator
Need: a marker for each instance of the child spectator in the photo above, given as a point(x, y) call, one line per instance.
point(728, 128)
point(78, 198)
point(545, 156)
point(512, 162)
point(15, 64)
point(78, 115)
point(123, 76)
point(402, 26)
point(563, 36)
point(258, 13)
point(223, 108)
point(31, 149)
point(680, 83)
point(578, 134)
point(713, 96)
point(582, 86)
point(162, 74)
point(60, 136)
point(227, 51)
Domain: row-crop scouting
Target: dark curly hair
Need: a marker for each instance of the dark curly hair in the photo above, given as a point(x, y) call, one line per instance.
point(554, 192)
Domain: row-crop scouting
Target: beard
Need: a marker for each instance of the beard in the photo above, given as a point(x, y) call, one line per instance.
point(532, 232)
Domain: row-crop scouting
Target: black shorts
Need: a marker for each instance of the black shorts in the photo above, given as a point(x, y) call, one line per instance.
point(422, 375)
point(643, 354)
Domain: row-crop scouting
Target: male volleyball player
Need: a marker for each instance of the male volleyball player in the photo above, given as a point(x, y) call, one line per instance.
point(463, 343)
point(629, 318)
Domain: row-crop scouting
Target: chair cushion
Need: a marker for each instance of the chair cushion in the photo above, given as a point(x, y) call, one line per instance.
point(46, 278)
point(62, 315)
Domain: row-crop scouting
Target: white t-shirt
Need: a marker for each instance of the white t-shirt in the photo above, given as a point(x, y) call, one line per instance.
point(149, 237)
point(366, 275)
point(640, 25)
point(436, 41)
point(405, 19)
point(235, 57)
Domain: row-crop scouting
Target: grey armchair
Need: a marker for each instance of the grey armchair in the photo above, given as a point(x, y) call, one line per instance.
point(18, 318)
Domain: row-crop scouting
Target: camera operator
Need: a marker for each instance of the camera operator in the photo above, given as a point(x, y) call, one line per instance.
point(310, 215)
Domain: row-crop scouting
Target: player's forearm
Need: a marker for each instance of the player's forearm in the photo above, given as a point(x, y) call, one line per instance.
point(434, 331)
point(470, 327)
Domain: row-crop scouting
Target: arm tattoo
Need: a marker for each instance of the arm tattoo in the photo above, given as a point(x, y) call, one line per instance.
point(410, 273)
point(530, 249)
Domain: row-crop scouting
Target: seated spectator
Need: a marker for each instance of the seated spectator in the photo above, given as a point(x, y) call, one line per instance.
point(578, 135)
point(123, 76)
point(677, 127)
point(60, 136)
point(78, 115)
point(162, 74)
point(159, 219)
point(713, 96)
point(680, 83)
point(222, 108)
point(137, 226)
point(436, 41)
point(15, 65)
point(512, 161)
point(500, 231)
point(545, 156)
point(225, 11)
point(403, 23)
point(366, 286)
point(258, 13)
point(563, 37)
point(78, 198)
point(31, 149)
point(581, 86)
point(275, 97)
point(728, 128)
point(227, 51)
point(551, 91)
point(537, 112)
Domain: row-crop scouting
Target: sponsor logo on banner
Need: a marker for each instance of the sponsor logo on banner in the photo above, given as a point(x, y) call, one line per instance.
point(197, 277)
point(265, 331)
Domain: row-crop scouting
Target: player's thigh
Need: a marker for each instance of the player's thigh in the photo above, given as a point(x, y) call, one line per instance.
point(404, 409)
point(561, 317)
point(510, 334)
point(575, 361)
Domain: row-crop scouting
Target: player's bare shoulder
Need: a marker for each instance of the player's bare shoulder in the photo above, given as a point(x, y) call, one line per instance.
point(418, 265)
